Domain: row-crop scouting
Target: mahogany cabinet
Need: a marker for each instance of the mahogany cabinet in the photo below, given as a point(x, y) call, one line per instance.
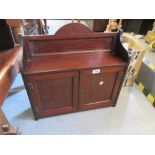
point(75, 69)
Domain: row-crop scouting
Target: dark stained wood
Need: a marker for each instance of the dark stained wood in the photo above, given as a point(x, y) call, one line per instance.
point(58, 70)
point(73, 29)
point(97, 90)
point(61, 46)
point(35, 46)
point(9, 68)
point(72, 62)
point(53, 94)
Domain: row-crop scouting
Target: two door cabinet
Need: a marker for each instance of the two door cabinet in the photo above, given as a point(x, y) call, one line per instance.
point(75, 69)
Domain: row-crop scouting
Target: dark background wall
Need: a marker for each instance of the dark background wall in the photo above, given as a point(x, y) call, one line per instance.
point(6, 40)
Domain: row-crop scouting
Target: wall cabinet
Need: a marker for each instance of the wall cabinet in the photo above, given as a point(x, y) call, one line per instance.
point(72, 71)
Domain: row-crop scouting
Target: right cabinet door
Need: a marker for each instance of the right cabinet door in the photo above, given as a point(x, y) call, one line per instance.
point(99, 87)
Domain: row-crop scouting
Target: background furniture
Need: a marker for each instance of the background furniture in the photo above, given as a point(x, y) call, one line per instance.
point(137, 53)
point(6, 39)
point(9, 68)
point(75, 69)
point(32, 26)
point(16, 28)
point(10, 58)
point(26, 26)
point(114, 25)
point(138, 26)
point(97, 25)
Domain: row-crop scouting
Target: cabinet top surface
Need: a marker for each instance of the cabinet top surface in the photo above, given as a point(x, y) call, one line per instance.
point(72, 62)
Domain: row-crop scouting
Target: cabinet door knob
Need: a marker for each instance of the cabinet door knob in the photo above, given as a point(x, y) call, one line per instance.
point(81, 92)
point(120, 75)
point(30, 86)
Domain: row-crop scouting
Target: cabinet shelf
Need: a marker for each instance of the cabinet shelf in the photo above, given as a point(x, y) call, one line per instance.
point(72, 62)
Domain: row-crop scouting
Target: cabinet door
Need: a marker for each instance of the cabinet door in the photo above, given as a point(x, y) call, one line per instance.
point(52, 94)
point(99, 87)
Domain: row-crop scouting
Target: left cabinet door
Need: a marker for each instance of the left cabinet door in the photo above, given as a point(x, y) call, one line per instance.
point(53, 93)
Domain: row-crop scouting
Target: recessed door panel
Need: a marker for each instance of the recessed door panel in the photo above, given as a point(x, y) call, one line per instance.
point(97, 87)
point(50, 91)
point(53, 93)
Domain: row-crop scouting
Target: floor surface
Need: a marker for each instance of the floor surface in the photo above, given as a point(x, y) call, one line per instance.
point(133, 114)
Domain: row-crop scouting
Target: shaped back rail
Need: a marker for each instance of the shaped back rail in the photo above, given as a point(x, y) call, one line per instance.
point(73, 37)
